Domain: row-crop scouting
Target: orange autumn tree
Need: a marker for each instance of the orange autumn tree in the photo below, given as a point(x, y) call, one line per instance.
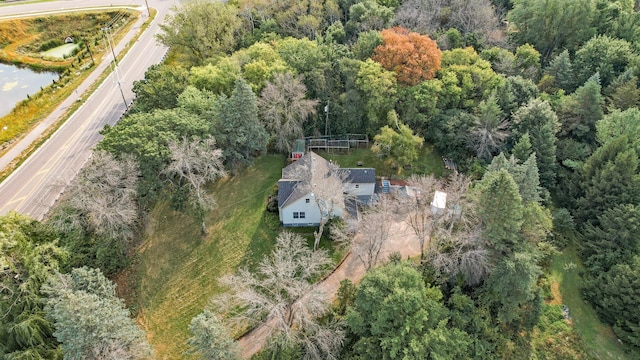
point(413, 57)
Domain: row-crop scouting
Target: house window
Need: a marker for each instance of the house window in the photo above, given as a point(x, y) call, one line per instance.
point(306, 200)
point(357, 186)
point(296, 215)
point(302, 215)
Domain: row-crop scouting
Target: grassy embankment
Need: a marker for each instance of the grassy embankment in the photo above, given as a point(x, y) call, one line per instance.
point(20, 43)
point(598, 339)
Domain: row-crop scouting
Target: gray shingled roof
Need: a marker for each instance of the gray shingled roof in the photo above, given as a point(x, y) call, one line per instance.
point(361, 175)
point(285, 189)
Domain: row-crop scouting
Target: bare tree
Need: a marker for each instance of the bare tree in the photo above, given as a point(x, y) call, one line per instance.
point(283, 109)
point(343, 232)
point(102, 199)
point(432, 16)
point(421, 16)
point(420, 216)
point(193, 164)
point(281, 290)
point(456, 246)
point(459, 205)
point(474, 16)
point(461, 253)
point(114, 350)
point(490, 129)
point(374, 230)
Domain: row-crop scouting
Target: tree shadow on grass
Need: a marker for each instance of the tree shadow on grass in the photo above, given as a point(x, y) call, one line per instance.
point(262, 241)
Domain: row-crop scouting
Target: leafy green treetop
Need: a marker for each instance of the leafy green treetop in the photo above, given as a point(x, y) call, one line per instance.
point(398, 146)
point(395, 316)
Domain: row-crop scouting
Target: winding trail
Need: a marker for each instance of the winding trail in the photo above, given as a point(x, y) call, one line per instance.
point(402, 240)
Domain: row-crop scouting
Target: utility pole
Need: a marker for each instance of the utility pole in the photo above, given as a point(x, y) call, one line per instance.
point(126, 106)
point(148, 10)
point(326, 118)
point(88, 50)
point(105, 33)
point(115, 70)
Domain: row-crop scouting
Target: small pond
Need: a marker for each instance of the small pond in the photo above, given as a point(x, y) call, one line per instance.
point(17, 82)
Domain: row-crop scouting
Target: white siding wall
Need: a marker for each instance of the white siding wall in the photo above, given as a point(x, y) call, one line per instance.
point(362, 189)
point(312, 214)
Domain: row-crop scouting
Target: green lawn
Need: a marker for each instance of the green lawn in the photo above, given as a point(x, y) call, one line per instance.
point(429, 162)
point(599, 340)
point(176, 269)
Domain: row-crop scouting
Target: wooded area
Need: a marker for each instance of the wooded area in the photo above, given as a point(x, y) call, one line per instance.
point(536, 102)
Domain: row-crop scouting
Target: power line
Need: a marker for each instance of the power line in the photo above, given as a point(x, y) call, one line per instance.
point(116, 70)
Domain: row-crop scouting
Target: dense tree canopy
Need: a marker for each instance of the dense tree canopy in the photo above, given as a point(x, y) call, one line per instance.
point(90, 320)
point(395, 316)
point(160, 88)
point(552, 25)
point(202, 29)
point(540, 122)
point(29, 254)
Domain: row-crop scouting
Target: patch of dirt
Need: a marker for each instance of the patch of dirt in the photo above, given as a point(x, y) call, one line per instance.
point(555, 292)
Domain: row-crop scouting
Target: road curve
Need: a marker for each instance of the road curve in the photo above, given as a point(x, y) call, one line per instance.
point(34, 186)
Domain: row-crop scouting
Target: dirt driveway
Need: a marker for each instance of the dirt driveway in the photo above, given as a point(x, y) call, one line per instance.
point(402, 240)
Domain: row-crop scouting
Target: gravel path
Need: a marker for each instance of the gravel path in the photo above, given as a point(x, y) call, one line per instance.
point(402, 240)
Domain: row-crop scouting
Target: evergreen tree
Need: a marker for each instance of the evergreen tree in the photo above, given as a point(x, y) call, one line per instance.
point(522, 149)
point(561, 69)
point(607, 56)
point(615, 239)
point(625, 96)
point(616, 296)
point(515, 92)
point(501, 212)
point(580, 112)
point(525, 175)
point(90, 320)
point(511, 288)
point(618, 123)
point(28, 255)
point(239, 132)
point(529, 180)
point(609, 178)
point(538, 119)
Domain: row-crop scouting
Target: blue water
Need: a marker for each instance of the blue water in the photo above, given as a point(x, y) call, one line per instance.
point(16, 83)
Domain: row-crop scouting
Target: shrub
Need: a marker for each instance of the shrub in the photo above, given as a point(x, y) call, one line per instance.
point(50, 44)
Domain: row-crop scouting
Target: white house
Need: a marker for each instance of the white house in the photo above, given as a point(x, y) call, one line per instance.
point(361, 183)
point(296, 199)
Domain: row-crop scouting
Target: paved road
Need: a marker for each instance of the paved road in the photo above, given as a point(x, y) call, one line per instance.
point(38, 182)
